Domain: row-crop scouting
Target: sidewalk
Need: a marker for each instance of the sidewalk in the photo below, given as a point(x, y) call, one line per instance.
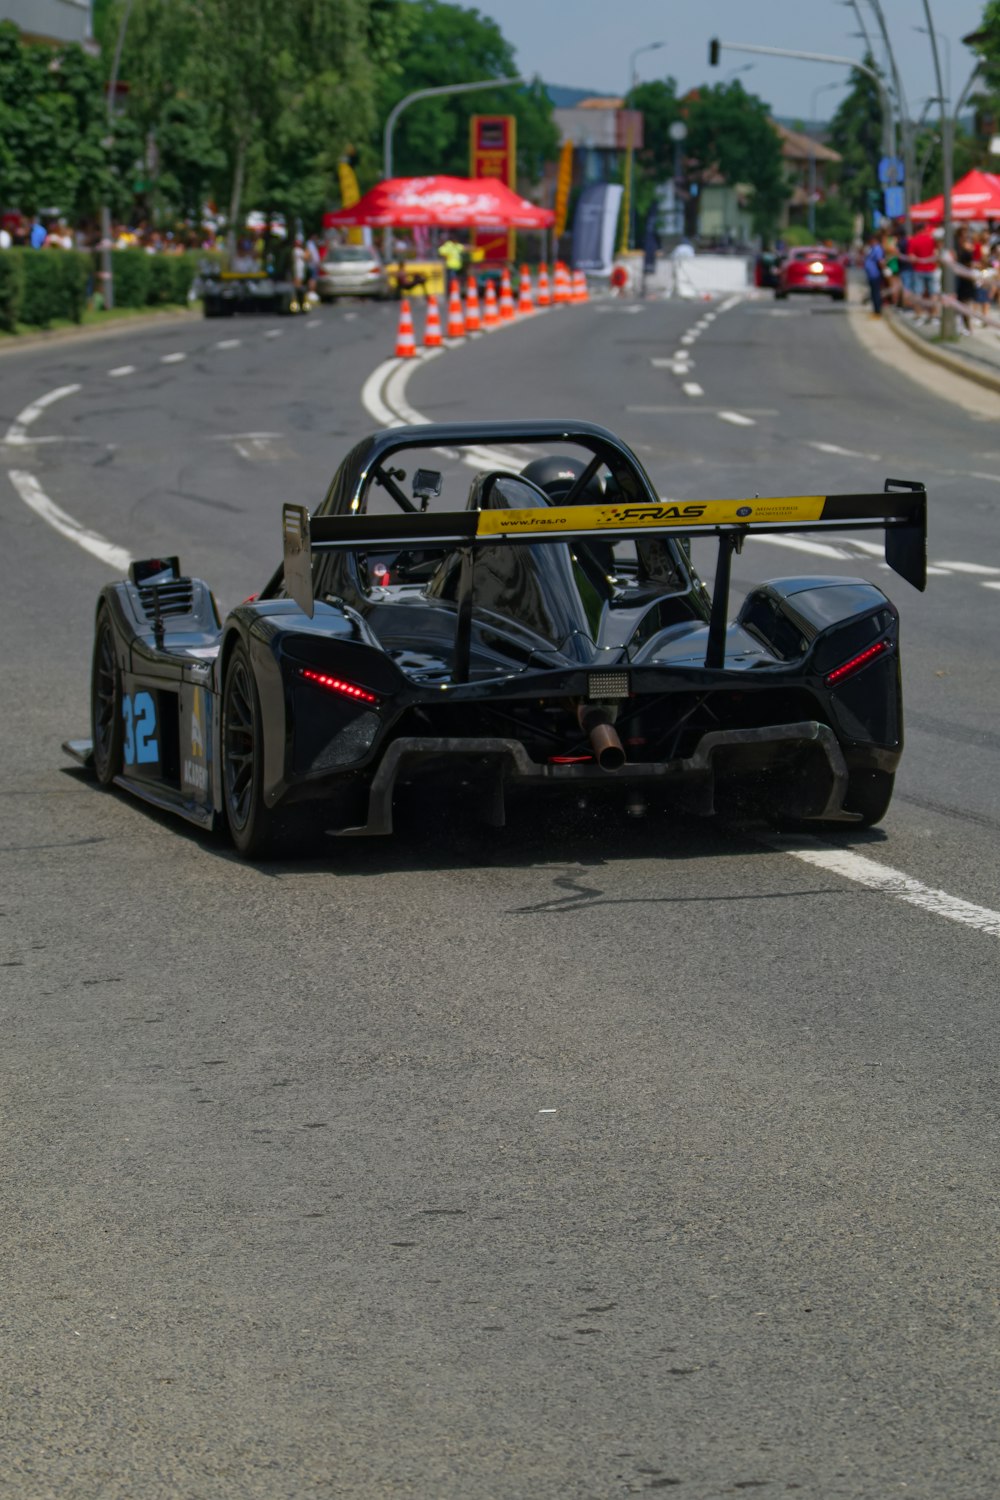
point(975, 355)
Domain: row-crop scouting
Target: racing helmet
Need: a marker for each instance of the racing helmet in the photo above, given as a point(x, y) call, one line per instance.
point(556, 475)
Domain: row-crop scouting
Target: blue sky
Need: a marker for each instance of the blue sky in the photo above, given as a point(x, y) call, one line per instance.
point(587, 43)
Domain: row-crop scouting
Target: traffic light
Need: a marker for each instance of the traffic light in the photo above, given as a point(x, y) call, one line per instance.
point(713, 52)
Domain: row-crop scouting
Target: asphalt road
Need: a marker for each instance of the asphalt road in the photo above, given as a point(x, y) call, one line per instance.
point(593, 1158)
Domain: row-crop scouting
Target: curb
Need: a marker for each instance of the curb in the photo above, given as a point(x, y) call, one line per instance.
point(23, 342)
point(958, 364)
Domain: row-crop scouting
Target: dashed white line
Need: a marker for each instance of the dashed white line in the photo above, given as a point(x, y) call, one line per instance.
point(36, 499)
point(985, 585)
point(845, 452)
point(799, 544)
point(228, 343)
point(878, 877)
point(120, 370)
point(315, 323)
point(171, 359)
point(977, 568)
point(273, 333)
point(737, 418)
point(692, 388)
point(730, 302)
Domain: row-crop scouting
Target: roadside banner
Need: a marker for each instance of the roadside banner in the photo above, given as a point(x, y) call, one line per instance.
point(563, 182)
point(594, 227)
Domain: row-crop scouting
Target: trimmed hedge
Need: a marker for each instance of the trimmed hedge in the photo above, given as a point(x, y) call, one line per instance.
point(39, 287)
point(11, 288)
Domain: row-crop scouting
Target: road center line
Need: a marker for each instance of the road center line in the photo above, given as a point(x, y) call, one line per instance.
point(120, 370)
point(877, 877)
point(16, 431)
point(737, 418)
point(692, 388)
point(171, 359)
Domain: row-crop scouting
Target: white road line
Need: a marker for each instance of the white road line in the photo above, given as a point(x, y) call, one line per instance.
point(874, 549)
point(394, 386)
point(730, 302)
point(977, 474)
point(274, 333)
point(227, 344)
point(710, 317)
point(663, 364)
point(692, 388)
point(799, 544)
point(371, 393)
point(688, 338)
point(977, 568)
point(120, 370)
point(984, 585)
point(845, 452)
point(737, 418)
point(171, 359)
point(36, 499)
point(878, 877)
point(16, 431)
point(315, 323)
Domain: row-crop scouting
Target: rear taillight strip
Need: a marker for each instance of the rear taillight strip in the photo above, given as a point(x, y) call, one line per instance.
point(847, 668)
point(338, 685)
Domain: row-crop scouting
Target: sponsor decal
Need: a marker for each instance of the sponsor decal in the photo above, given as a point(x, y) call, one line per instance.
point(196, 775)
point(577, 518)
point(197, 724)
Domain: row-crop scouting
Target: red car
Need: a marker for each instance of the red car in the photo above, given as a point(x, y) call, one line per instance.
point(813, 269)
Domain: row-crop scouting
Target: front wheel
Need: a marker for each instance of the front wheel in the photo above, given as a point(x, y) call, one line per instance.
point(107, 731)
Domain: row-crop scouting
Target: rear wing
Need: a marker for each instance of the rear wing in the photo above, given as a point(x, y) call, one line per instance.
point(900, 511)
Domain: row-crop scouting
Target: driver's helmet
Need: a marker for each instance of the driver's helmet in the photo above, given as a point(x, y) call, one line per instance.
point(557, 476)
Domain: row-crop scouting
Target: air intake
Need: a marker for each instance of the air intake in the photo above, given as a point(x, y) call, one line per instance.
point(175, 597)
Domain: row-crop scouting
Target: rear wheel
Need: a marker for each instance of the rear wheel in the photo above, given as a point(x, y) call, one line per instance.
point(107, 731)
point(253, 826)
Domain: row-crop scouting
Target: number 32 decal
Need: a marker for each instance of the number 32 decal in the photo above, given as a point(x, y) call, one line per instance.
point(140, 729)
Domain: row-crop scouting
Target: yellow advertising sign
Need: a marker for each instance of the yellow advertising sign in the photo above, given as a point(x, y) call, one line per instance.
point(573, 519)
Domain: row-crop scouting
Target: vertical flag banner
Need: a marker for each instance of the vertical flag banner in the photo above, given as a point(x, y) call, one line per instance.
point(563, 182)
point(349, 195)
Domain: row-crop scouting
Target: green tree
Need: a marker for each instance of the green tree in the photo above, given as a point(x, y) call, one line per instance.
point(654, 164)
point(445, 44)
point(856, 132)
point(51, 128)
point(730, 131)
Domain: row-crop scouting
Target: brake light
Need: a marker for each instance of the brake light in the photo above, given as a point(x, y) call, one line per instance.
point(568, 760)
point(848, 668)
point(816, 267)
point(338, 685)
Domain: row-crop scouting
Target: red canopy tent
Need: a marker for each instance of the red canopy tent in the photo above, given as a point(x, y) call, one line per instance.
point(976, 196)
point(442, 203)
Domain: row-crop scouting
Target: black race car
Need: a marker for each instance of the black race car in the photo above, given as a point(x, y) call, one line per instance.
point(223, 293)
point(548, 633)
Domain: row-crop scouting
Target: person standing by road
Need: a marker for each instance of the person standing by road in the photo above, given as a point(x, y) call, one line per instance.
point(922, 250)
point(874, 270)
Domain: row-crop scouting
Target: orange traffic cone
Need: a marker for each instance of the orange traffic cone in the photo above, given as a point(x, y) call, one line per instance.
point(456, 318)
point(544, 297)
point(524, 302)
point(405, 345)
point(579, 287)
point(562, 283)
point(506, 297)
point(432, 327)
point(472, 322)
point(491, 316)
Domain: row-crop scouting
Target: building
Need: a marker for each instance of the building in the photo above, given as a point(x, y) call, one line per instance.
point(811, 168)
point(51, 21)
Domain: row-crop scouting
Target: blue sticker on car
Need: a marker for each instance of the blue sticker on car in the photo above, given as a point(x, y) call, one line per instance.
point(141, 746)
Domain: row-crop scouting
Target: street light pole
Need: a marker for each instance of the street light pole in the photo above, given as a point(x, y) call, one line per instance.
point(822, 89)
point(947, 172)
point(397, 110)
point(906, 139)
point(715, 46)
point(633, 78)
point(107, 275)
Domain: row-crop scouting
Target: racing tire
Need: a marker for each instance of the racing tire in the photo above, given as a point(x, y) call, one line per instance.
point(107, 728)
point(254, 828)
point(869, 793)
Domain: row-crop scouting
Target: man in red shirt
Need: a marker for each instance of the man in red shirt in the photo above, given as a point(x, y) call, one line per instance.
point(922, 253)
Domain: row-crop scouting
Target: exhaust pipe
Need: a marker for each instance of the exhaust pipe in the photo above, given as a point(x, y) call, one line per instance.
point(609, 752)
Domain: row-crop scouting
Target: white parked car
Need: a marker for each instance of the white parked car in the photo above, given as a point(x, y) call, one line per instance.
point(352, 271)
